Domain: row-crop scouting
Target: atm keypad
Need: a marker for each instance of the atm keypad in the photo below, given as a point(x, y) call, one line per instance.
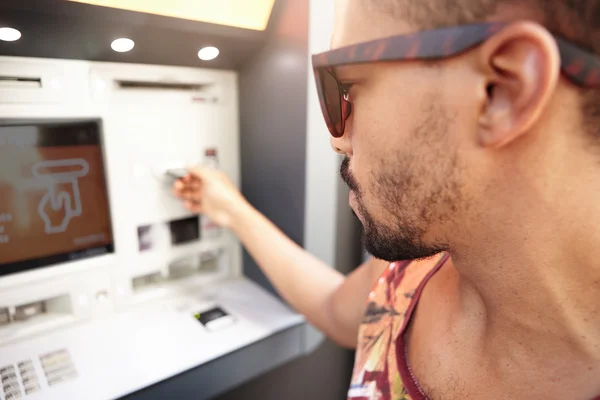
point(10, 382)
point(18, 380)
point(28, 377)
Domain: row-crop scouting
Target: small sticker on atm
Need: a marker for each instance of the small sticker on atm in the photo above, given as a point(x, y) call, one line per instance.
point(207, 316)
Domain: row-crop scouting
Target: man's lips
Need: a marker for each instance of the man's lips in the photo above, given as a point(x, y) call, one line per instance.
point(353, 202)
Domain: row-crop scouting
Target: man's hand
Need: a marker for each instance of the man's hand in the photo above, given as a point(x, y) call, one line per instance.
point(210, 192)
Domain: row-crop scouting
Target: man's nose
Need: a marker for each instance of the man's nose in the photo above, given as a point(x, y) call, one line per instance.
point(341, 145)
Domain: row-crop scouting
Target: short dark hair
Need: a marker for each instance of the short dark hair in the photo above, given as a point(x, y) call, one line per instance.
point(577, 20)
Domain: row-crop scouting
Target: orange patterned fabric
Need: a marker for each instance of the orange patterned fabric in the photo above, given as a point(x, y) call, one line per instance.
point(377, 374)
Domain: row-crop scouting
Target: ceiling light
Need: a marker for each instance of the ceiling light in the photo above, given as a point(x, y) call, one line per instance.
point(122, 45)
point(208, 53)
point(247, 14)
point(9, 34)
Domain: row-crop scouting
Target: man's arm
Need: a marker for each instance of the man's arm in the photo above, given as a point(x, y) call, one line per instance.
point(335, 304)
point(332, 302)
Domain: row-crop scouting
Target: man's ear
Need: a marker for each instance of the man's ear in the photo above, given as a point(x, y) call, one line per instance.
point(522, 65)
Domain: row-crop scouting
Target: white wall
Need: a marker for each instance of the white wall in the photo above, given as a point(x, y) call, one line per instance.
point(321, 161)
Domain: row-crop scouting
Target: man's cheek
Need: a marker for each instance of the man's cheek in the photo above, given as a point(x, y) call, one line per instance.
point(365, 176)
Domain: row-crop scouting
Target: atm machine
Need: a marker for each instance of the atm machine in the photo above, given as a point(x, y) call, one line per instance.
point(107, 284)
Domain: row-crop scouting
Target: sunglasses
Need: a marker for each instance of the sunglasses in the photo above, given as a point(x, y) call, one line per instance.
point(580, 66)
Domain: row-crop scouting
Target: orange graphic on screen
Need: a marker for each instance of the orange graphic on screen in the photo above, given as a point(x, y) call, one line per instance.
point(52, 201)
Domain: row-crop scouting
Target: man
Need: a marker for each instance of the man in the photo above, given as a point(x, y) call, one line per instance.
point(478, 142)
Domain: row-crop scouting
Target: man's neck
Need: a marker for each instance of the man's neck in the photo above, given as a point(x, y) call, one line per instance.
point(541, 281)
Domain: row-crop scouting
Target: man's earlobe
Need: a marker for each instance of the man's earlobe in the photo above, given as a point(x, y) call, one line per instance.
point(523, 67)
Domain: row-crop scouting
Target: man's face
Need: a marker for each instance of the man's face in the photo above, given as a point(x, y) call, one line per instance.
point(402, 143)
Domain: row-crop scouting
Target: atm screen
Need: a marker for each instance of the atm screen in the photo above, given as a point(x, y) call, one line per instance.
point(53, 198)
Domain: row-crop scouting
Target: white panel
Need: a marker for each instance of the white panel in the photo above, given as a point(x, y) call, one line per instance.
point(115, 356)
point(152, 130)
point(322, 162)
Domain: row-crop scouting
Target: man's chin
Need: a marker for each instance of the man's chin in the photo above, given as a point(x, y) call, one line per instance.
point(388, 247)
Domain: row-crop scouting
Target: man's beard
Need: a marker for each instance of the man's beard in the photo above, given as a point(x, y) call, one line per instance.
point(418, 194)
point(402, 242)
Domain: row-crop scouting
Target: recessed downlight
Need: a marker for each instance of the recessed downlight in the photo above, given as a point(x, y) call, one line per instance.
point(122, 45)
point(9, 34)
point(208, 53)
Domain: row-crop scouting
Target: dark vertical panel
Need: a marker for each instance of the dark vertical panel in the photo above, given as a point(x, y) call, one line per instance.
point(273, 96)
point(322, 375)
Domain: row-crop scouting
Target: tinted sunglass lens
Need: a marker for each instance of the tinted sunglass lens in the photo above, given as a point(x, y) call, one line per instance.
point(333, 103)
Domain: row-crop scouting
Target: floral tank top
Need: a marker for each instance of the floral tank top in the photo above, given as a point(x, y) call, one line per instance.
point(380, 369)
